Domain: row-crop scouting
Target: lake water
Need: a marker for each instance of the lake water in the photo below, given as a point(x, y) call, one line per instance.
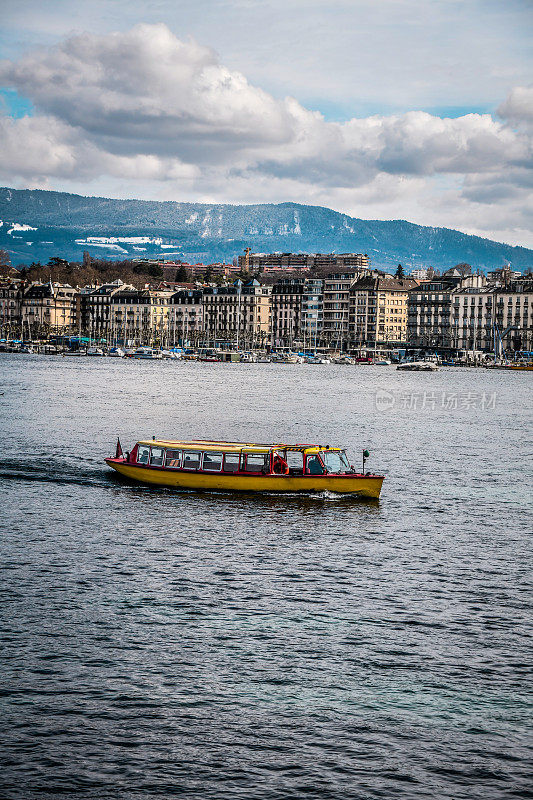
point(158, 644)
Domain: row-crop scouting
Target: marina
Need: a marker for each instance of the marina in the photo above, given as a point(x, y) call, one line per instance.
point(416, 362)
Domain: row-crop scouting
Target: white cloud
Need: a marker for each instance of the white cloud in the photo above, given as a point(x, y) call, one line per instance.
point(362, 55)
point(145, 113)
point(149, 88)
point(43, 147)
point(518, 107)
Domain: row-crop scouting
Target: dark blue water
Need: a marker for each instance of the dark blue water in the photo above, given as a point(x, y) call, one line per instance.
point(162, 645)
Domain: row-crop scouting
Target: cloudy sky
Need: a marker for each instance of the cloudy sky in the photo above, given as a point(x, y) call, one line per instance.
point(383, 109)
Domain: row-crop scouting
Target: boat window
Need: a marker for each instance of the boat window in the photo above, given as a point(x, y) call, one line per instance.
point(191, 459)
point(295, 460)
point(314, 467)
point(335, 461)
point(345, 461)
point(255, 462)
point(143, 454)
point(156, 456)
point(173, 459)
point(212, 462)
point(231, 462)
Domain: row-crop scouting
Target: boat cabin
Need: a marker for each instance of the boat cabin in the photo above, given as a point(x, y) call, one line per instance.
point(240, 458)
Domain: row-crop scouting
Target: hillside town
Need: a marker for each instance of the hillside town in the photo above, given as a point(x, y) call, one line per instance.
point(286, 301)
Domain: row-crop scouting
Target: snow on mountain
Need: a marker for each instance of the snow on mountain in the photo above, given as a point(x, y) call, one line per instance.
point(18, 226)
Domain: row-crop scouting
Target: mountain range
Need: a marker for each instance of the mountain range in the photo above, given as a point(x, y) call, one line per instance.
point(37, 224)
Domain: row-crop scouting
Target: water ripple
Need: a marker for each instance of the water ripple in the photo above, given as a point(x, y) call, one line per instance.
point(158, 644)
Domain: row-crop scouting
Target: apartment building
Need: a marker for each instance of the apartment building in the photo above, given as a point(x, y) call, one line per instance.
point(286, 318)
point(173, 271)
point(473, 312)
point(49, 308)
point(296, 312)
point(471, 319)
point(378, 312)
point(429, 320)
point(312, 311)
point(186, 316)
point(513, 308)
point(11, 291)
point(140, 316)
point(95, 307)
point(419, 274)
point(239, 313)
point(323, 262)
point(493, 319)
point(336, 308)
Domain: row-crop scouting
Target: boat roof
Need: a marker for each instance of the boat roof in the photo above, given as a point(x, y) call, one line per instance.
point(233, 447)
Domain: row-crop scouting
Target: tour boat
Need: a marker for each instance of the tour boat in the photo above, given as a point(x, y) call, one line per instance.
point(245, 467)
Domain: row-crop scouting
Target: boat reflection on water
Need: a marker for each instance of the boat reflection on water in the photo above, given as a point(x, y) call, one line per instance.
point(255, 502)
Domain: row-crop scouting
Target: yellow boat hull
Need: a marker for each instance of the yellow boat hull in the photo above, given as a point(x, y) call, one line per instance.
point(360, 485)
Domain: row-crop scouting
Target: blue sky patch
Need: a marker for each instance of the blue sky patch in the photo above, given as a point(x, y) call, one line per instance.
point(12, 104)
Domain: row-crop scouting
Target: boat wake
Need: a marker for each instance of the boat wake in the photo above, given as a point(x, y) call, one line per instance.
point(341, 497)
point(44, 469)
point(332, 497)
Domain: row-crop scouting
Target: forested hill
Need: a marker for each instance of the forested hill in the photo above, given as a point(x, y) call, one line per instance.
point(37, 224)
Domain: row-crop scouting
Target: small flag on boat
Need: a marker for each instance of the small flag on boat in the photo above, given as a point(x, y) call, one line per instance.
point(119, 452)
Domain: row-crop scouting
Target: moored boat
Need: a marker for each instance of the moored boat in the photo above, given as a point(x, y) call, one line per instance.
point(245, 467)
point(316, 360)
point(248, 358)
point(344, 360)
point(418, 366)
point(512, 366)
point(147, 353)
